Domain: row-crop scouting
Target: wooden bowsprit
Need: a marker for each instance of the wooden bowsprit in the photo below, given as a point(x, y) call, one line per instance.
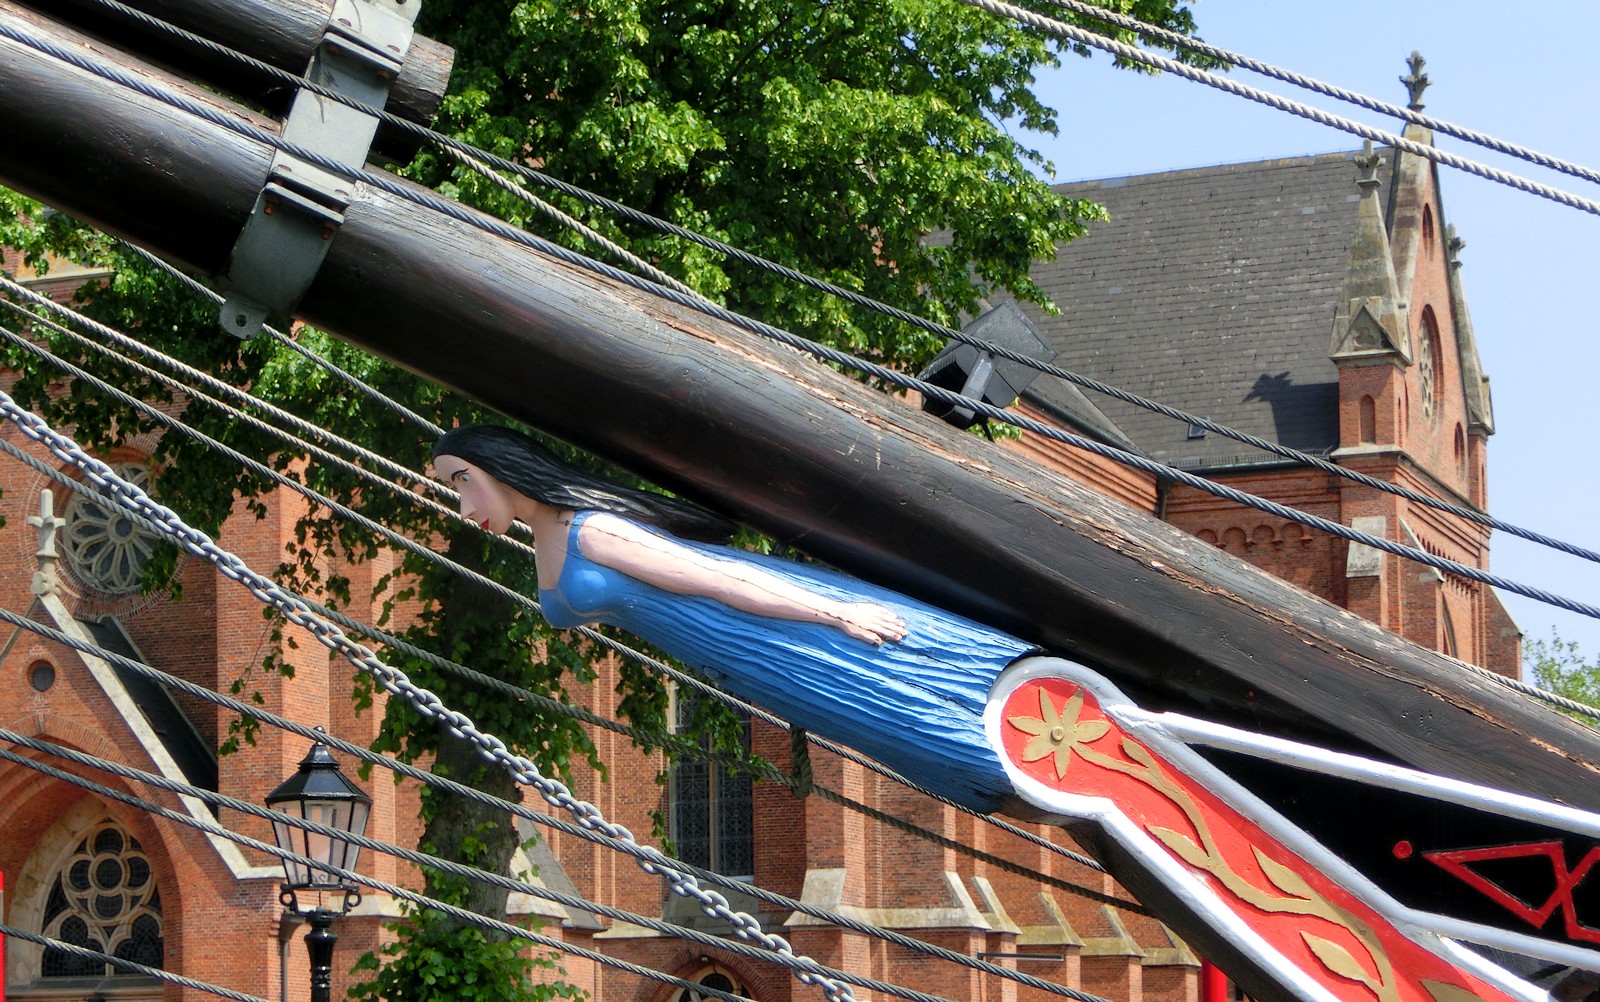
point(1252, 888)
point(806, 455)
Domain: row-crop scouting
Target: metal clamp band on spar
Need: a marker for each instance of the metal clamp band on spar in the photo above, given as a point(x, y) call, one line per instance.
point(301, 206)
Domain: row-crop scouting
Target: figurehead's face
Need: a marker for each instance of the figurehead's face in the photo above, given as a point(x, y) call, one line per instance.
point(484, 499)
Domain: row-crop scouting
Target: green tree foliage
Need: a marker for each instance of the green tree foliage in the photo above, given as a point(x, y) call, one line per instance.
point(833, 136)
point(1559, 666)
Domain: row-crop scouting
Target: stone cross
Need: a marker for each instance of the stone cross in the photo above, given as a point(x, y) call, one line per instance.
point(45, 579)
point(1416, 81)
point(1368, 161)
point(1453, 245)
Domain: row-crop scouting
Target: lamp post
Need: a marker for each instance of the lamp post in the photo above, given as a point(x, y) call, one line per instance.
point(320, 793)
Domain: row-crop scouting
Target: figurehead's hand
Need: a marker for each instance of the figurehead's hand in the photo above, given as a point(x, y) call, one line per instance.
point(871, 623)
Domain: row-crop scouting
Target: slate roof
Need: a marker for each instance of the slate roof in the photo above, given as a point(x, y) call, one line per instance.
point(172, 726)
point(1212, 290)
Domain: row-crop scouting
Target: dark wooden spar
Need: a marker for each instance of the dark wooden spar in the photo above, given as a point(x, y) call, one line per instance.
point(769, 436)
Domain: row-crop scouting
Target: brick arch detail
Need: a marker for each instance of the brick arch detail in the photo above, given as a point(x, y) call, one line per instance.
point(32, 794)
point(694, 964)
point(1245, 539)
point(50, 853)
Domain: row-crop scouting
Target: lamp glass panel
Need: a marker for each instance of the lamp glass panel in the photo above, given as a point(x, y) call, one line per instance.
point(288, 839)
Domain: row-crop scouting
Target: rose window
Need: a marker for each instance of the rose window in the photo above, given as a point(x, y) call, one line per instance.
point(103, 546)
point(104, 899)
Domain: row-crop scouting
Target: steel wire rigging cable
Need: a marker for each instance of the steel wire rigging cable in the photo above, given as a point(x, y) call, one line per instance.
point(822, 352)
point(193, 394)
point(477, 160)
point(1553, 699)
point(1411, 115)
point(506, 687)
point(446, 866)
point(218, 831)
point(127, 965)
point(1060, 28)
point(212, 383)
point(655, 860)
point(499, 880)
point(428, 705)
point(286, 341)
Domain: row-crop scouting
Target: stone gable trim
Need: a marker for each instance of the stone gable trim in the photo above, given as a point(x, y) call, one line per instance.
point(134, 720)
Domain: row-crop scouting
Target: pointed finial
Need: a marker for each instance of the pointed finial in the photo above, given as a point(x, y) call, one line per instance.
point(1369, 161)
point(45, 579)
point(1416, 81)
point(1453, 245)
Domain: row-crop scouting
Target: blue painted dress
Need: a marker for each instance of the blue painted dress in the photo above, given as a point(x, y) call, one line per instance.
point(915, 705)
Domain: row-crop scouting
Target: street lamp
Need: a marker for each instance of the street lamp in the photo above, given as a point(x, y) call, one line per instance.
point(319, 793)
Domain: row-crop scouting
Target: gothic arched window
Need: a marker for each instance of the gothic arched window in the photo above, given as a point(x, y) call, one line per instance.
point(714, 978)
point(712, 806)
point(1430, 385)
point(103, 898)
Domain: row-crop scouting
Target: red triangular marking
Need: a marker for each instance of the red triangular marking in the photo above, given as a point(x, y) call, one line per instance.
point(1457, 862)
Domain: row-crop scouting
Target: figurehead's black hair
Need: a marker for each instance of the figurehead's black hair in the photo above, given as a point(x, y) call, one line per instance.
point(527, 467)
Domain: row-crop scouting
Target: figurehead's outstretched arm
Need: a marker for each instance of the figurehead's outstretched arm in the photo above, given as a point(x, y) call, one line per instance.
point(664, 563)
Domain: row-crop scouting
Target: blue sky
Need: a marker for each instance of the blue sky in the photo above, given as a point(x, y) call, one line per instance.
point(1528, 265)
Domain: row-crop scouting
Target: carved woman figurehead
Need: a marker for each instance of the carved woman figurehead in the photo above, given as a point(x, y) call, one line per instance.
point(523, 464)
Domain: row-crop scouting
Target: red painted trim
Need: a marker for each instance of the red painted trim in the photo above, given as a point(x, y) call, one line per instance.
point(1055, 733)
point(1213, 983)
point(1564, 880)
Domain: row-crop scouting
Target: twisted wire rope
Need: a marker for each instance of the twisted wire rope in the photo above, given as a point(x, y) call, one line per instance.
point(644, 854)
point(421, 900)
point(500, 880)
point(293, 345)
point(426, 703)
point(1411, 115)
point(411, 856)
point(306, 428)
point(261, 469)
point(463, 150)
point(1133, 53)
point(614, 646)
point(193, 394)
point(527, 197)
point(133, 967)
point(460, 149)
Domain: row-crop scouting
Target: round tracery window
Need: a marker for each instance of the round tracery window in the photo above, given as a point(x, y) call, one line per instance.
point(104, 899)
point(105, 548)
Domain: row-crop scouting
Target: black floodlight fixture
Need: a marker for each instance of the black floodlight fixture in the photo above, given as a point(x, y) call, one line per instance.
point(978, 374)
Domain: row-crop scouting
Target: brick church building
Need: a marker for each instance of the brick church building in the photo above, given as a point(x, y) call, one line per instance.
point(1314, 302)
